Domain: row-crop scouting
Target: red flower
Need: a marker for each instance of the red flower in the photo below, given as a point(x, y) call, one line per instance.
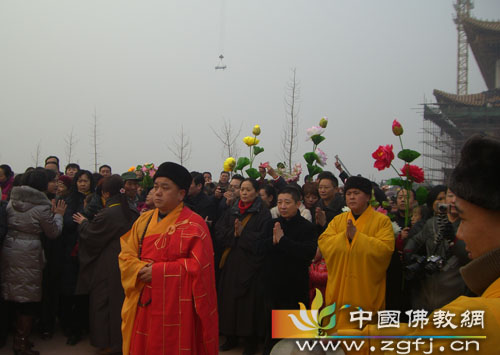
point(397, 129)
point(413, 172)
point(383, 157)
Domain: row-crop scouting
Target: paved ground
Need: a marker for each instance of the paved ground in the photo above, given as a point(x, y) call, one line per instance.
point(57, 346)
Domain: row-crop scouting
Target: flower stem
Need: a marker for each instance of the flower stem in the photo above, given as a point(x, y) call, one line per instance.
point(401, 141)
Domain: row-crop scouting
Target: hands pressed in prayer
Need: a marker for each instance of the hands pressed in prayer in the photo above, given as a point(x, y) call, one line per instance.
point(146, 273)
point(79, 218)
point(351, 229)
point(277, 233)
point(320, 217)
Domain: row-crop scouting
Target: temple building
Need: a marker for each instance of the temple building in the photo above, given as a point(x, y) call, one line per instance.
point(450, 121)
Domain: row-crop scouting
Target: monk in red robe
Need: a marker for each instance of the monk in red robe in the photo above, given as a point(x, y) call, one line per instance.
point(167, 273)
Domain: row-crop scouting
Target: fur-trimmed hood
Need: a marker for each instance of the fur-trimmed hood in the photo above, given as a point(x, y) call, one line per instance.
point(24, 198)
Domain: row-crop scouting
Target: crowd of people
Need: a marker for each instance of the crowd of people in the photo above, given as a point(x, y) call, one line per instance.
point(177, 265)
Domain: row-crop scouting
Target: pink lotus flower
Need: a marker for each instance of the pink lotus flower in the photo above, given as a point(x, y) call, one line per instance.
point(314, 131)
point(383, 157)
point(321, 157)
point(413, 172)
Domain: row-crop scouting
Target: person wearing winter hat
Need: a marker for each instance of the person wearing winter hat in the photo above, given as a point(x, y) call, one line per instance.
point(474, 181)
point(167, 271)
point(357, 246)
point(63, 186)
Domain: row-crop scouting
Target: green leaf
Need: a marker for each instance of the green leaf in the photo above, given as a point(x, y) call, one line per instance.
point(281, 166)
point(317, 139)
point(325, 312)
point(331, 324)
point(310, 157)
point(313, 170)
point(242, 162)
point(408, 155)
point(257, 150)
point(317, 301)
point(422, 193)
point(394, 181)
point(253, 173)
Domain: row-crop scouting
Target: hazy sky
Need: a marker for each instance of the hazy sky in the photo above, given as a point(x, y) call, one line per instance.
point(147, 67)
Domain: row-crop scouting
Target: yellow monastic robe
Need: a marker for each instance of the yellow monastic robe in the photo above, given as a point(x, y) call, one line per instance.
point(357, 269)
point(489, 302)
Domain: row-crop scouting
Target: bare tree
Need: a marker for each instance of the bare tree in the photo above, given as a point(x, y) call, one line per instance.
point(70, 145)
point(228, 136)
point(181, 148)
point(95, 139)
point(292, 107)
point(35, 157)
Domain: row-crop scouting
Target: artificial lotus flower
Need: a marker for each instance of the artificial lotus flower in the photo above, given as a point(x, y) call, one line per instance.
point(256, 130)
point(132, 168)
point(323, 122)
point(397, 129)
point(321, 157)
point(250, 141)
point(229, 164)
point(314, 131)
point(413, 173)
point(383, 157)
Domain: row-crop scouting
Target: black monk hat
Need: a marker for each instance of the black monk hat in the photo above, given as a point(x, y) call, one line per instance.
point(175, 172)
point(358, 182)
point(476, 177)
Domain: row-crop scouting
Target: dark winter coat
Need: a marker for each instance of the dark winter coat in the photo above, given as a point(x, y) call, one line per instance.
point(240, 290)
point(287, 263)
point(29, 214)
point(99, 275)
point(68, 245)
point(333, 209)
point(434, 290)
point(3, 221)
point(202, 205)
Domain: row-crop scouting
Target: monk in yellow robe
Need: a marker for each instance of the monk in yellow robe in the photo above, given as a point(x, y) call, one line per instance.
point(167, 271)
point(357, 247)
point(475, 184)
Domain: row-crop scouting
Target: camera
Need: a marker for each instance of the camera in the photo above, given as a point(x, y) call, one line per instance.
point(420, 263)
point(443, 208)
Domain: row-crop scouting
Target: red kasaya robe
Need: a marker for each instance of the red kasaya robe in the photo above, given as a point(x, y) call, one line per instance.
point(177, 312)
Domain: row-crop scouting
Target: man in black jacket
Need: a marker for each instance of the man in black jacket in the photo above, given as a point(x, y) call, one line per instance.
point(288, 257)
point(331, 201)
point(198, 201)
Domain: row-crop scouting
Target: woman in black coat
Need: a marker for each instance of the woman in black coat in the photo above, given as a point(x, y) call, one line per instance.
point(74, 303)
point(99, 247)
point(241, 232)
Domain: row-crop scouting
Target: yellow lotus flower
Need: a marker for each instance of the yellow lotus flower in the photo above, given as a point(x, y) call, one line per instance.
point(250, 141)
point(132, 168)
point(256, 130)
point(229, 164)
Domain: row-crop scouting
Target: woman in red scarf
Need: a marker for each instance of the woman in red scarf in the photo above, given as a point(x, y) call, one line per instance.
point(241, 231)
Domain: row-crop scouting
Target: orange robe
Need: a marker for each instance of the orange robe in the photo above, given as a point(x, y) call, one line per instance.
point(177, 312)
